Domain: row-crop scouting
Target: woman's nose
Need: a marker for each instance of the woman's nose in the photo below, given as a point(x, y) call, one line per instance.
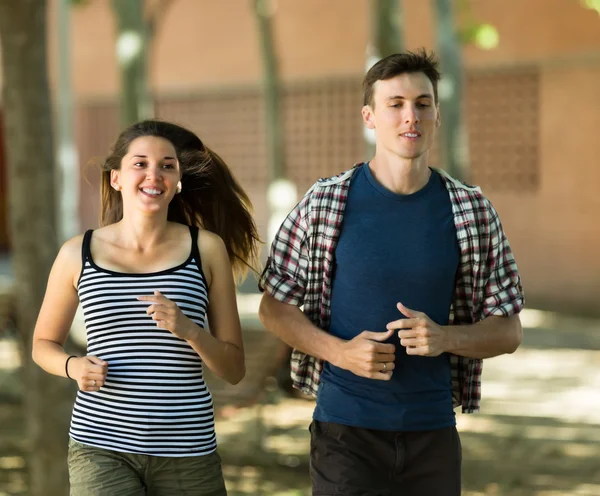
point(153, 173)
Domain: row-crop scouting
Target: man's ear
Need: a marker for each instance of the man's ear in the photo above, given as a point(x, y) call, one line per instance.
point(368, 117)
point(114, 180)
point(438, 120)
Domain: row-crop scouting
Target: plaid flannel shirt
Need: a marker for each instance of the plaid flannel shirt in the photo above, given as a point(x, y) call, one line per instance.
point(300, 267)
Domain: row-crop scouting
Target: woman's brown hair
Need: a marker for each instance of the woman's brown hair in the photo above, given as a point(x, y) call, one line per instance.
point(211, 198)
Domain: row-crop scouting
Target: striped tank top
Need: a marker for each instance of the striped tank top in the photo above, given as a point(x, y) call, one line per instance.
point(155, 400)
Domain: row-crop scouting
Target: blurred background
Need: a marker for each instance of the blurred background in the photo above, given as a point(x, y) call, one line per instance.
point(274, 87)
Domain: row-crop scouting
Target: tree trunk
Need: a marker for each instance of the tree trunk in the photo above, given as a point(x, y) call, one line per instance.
point(281, 192)
point(133, 39)
point(387, 34)
point(28, 122)
point(275, 147)
point(386, 38)
point(68, 192)
point(453, 138)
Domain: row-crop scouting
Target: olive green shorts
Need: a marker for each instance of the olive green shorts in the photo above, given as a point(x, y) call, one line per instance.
point(101, 472)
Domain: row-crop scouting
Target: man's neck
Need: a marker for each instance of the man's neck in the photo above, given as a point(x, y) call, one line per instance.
point(401, 176)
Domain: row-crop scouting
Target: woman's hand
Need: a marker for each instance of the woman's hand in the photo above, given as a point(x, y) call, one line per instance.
point(168, 315)
point(89, 372)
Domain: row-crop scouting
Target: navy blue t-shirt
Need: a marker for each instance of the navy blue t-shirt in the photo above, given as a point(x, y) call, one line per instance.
point(392, 248)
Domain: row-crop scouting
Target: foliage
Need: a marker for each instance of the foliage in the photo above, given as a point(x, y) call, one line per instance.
point(482, 35)
point(592, 4)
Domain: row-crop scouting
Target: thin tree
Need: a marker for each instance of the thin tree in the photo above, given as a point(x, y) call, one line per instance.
point(281, 192)
point(453, 138)
point(67, 159)
point(386, 38)
point(132, 55)
point(264, 11)
point(137, 25)
point(30, 154)
point(387, 28)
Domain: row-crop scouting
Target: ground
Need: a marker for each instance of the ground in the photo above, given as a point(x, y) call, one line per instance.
point(538, 432)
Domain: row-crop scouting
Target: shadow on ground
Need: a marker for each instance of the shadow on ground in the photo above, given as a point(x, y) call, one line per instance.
point(538, 435)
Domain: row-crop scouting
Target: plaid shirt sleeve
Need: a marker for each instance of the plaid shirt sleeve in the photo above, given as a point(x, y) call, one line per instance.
point(286, 271)
point(503, 292)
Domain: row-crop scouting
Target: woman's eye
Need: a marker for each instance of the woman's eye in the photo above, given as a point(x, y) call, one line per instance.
point(139, 164)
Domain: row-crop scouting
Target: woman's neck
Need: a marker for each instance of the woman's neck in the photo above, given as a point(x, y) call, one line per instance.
point(142, 231)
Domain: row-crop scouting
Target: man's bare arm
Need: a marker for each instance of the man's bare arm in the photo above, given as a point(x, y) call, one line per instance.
point(488, 338)
point(491, 337)
point(365, 355)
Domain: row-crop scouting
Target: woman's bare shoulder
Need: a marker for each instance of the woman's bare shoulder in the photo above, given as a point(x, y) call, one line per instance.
point(210, 243)
point(69, 259)
point(105, 232)
point(71, 249)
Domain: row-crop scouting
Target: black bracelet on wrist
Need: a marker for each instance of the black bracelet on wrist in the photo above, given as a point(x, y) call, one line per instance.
point(67, 366)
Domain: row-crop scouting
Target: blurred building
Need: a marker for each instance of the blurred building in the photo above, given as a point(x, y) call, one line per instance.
point(532, 105)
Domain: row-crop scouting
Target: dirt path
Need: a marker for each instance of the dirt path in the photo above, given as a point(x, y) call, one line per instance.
point(538, 433)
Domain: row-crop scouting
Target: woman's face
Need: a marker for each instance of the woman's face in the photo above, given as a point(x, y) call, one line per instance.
point(148, 175)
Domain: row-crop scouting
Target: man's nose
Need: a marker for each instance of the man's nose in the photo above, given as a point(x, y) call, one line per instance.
point(411, 114)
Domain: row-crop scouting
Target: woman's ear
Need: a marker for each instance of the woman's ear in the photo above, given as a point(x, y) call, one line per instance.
point(114, 180)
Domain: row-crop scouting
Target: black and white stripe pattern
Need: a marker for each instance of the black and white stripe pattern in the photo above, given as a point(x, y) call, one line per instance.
point(155, 400)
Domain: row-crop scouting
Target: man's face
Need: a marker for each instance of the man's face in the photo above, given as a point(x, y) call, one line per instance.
point(404, 115)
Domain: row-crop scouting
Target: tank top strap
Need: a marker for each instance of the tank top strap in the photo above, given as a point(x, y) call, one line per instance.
point(195, 250)
point(194, 231)
point(85, 247)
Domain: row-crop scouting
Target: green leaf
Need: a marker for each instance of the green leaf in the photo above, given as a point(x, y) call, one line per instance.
point(467, 33)
point(487, 37)
point(592, 4)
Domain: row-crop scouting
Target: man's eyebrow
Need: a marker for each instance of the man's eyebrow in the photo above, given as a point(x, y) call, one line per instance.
point(400, 97)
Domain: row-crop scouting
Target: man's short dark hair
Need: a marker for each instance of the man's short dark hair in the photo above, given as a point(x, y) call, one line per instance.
point(402, 63)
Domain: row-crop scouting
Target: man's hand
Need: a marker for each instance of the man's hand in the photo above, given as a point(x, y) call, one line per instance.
point(367, 356)
point(419, 334)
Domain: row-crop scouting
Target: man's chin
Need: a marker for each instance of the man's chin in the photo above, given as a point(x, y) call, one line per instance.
point(411, 155)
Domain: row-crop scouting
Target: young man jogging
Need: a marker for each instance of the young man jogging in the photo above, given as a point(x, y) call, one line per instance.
point(407, 282)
